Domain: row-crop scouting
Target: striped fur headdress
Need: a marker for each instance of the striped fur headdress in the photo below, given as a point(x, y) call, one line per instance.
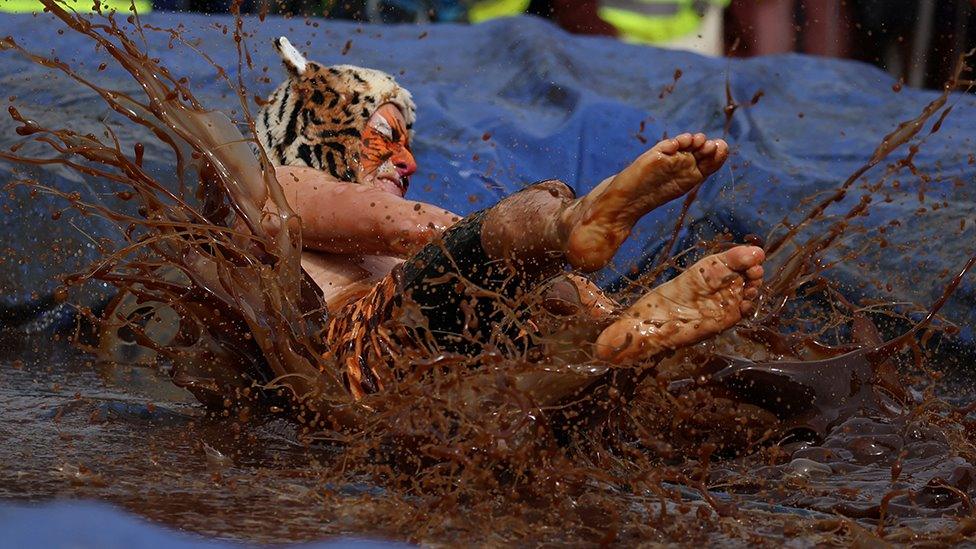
point(316, 117)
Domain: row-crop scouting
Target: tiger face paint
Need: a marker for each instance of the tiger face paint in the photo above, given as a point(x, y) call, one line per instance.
point(318, 118)
point(385, 160)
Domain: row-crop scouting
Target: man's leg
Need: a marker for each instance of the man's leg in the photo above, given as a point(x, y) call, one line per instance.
point(473, 280)
point(544, 226)
point(708, 298)
point(468, 283)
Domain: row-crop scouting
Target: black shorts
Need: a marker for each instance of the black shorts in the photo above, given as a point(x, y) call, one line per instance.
point(467, 299)
point(449, 297)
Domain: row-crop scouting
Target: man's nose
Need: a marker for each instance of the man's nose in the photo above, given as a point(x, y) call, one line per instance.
point(405, 163)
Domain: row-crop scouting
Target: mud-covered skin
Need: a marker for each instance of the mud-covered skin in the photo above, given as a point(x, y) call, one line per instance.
point(547, 240)
point(321, 111)
point(587, 232)
point(356, 233)
point(603, 219)
point(340, 139)
point(709, 297)
point(477, 277)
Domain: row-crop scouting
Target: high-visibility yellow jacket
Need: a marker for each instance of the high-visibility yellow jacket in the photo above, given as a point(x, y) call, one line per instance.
point(484, 10)
point(122, 6)
point(645, 21)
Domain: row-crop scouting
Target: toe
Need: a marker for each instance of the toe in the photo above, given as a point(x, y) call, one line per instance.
point(666, 146)
point(706, 151)
point(721, 150)
point(746, 307)
point(620, 341)
point(751, 292)
point(698, 140)
point(743, 258)
point(755, 272)
point(711, 156)
point(685, 140)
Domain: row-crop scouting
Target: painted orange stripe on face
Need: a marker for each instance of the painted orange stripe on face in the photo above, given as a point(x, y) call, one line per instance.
point(379, 148)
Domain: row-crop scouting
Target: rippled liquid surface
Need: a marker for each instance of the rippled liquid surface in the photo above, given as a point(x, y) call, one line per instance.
point(73, 430)
point(129, 437)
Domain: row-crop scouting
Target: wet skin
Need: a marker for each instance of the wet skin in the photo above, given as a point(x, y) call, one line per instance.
point(355, 233)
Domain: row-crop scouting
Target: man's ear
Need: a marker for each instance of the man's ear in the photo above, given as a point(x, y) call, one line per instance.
point(294, 61)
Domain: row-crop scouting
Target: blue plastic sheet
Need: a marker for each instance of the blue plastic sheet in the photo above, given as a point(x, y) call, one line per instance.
point(518, 100)
point(86, 525)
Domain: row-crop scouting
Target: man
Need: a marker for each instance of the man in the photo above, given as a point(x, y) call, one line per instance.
point(341, 138)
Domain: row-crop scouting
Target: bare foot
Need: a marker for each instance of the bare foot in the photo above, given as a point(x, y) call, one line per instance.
point(602, 220)
point(703, 301)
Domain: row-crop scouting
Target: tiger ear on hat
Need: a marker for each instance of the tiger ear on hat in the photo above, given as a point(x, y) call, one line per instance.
point(294, 61)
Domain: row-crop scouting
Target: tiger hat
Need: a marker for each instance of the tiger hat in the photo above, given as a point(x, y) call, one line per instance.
point(317, 116)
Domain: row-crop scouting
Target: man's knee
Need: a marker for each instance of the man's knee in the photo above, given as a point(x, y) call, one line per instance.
point(555, 187)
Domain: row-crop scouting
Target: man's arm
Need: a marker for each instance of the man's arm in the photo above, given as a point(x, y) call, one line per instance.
point(347, 218)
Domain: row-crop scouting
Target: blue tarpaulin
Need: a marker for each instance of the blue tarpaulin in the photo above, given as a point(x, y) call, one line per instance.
point(85, 525)
point(514, 101)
